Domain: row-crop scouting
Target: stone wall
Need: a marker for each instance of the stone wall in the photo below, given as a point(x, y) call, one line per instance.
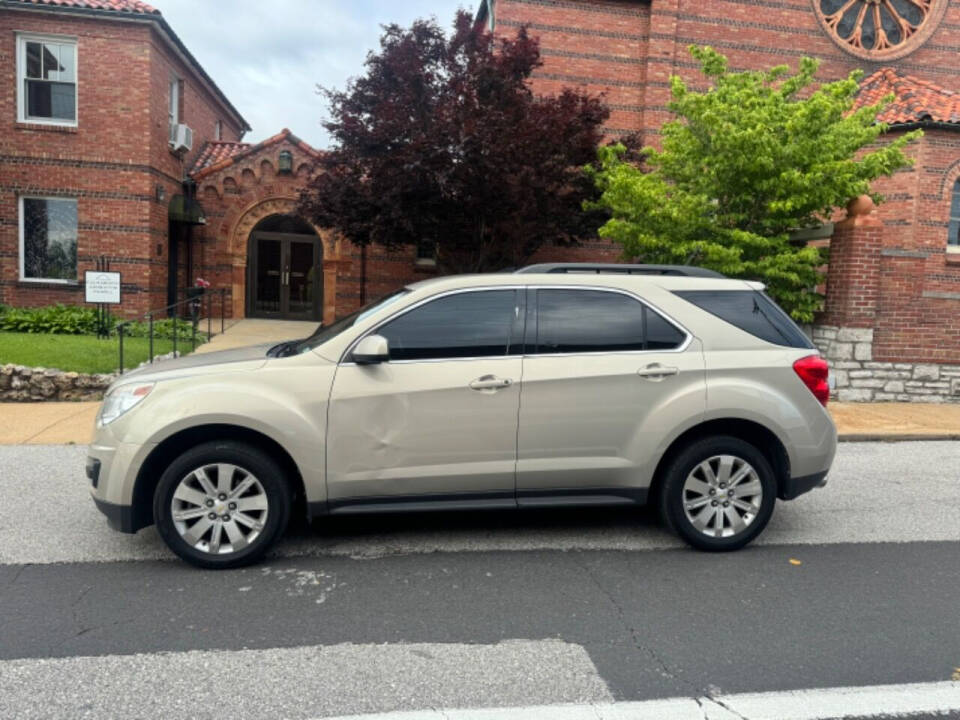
point(24, 384)
point(859, 378)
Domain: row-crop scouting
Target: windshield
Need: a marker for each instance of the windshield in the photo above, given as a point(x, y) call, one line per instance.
point(324, 334)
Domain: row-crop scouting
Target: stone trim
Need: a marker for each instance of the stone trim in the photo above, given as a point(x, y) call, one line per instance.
point(849, 352)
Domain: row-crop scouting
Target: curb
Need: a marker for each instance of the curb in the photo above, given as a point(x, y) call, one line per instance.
point(895, 437)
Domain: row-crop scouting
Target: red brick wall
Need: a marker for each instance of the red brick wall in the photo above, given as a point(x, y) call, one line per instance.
point(112, 162)
point(628, 49)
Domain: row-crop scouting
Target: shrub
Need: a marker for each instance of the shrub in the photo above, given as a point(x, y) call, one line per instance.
point(58, 319)
point(74, 320)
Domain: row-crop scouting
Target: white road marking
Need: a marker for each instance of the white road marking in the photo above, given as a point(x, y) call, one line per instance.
point(301, 682)
point(888, 701)
point(878, 492)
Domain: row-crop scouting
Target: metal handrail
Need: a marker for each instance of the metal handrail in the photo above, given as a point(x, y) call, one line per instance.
point(194, 304)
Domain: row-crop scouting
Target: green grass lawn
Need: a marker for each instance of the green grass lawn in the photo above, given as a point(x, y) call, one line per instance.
point(80, 353)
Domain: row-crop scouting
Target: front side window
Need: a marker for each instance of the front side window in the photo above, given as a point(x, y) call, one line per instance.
point(465, 325)
point(48, 239)
point(47, 80)
point(578, 321)
point(953, 234)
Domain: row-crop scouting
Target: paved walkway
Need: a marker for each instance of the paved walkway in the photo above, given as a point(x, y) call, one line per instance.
point(49, 423)
point(253, 332)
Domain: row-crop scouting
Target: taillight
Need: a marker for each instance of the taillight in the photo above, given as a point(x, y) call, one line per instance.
point(814, 372)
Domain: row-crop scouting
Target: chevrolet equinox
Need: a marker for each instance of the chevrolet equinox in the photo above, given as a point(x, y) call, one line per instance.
point(555, 385)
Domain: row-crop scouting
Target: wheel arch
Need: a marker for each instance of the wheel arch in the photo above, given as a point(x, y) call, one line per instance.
point(179, 442)
point(762, 438)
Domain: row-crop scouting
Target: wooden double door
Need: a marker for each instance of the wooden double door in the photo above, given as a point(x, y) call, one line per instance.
point(285, 276)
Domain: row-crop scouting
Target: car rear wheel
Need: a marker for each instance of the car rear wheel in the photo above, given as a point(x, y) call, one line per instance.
point(718, 493)
point(222, 504)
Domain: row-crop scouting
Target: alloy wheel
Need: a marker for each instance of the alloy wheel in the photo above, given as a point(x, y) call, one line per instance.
point(219, 508)
point(722, 496)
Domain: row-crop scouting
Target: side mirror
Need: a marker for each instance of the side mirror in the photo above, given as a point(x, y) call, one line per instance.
point(371, 350)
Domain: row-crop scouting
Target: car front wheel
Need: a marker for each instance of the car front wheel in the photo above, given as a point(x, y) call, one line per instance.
point(718, 494)
point(222, 504)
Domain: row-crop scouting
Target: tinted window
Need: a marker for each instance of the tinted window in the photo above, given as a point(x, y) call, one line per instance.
point(661, 335)
point(752, 312)
point(570, 321)
point(469, 324)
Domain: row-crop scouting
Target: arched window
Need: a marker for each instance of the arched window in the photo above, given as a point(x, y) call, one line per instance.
point(953, 234)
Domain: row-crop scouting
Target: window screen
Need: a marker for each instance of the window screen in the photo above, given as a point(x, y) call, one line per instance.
point(752, 312)
point(49, 239)
point(577, 321)
point(469, 324)
point(48, 71)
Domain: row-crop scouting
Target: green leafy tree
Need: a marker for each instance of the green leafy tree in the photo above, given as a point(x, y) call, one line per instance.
point(754, 157)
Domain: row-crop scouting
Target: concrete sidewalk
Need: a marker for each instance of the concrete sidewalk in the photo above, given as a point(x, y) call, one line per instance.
point(59, 423)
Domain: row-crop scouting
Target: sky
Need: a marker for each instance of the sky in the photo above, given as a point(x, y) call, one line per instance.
point(268, 56)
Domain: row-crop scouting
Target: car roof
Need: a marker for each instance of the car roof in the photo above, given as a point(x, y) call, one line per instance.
point(612, 280)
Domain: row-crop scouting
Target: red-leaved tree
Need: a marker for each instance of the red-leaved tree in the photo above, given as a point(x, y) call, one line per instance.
point(442, 142)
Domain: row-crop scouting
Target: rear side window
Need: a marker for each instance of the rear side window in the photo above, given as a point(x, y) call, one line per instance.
point(578, 321)
point(469, 324)
point(752, 312)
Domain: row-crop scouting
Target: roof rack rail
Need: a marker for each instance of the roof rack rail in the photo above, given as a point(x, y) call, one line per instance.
point(621, 268)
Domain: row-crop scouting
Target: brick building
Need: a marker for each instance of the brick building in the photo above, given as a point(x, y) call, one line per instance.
point(88, 166)
point(91, 95)
point(891, 326)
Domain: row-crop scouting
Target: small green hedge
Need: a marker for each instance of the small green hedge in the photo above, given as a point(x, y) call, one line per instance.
point(55, 319)
point(73, 320)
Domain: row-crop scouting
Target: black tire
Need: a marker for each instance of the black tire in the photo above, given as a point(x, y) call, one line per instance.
point(249, 458)
point(671, 495)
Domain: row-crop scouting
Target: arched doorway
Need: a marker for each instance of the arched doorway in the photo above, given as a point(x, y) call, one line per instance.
point(284, 270)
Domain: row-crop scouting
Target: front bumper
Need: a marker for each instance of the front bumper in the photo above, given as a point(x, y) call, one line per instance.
point(119, 517)
point(795, 487)
point(112, 468)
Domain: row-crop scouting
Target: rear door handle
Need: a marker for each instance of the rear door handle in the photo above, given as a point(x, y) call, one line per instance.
point(656, 371)
point(490, 382)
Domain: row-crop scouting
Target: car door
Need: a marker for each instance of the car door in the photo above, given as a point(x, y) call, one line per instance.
point(603, 374)
point(437, 423)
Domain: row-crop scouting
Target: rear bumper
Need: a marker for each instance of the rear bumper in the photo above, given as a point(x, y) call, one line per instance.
point(119, 517)
point(795, 487)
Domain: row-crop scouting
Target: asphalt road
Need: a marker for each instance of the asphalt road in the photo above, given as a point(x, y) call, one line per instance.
point(853, 586)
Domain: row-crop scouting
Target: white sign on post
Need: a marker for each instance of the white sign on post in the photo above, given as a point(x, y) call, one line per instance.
point(102, 287)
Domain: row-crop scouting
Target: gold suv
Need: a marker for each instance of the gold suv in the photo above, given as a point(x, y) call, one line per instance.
point(553, 386)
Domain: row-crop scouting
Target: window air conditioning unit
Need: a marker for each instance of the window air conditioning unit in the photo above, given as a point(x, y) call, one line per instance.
point(181, 137)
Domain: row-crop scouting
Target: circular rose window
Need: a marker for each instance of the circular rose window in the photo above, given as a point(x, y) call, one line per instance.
point(880, 29)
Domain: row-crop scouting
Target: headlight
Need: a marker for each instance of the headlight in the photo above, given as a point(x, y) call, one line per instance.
point(120, 400)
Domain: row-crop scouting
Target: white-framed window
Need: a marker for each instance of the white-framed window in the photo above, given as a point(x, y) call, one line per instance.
point(48, 239)
point(953, 228)
point(47, 79)
point(173, 107)
point(218, 130)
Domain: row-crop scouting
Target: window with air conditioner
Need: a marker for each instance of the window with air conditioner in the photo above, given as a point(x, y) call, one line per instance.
point(173, 108)
point(47, 80)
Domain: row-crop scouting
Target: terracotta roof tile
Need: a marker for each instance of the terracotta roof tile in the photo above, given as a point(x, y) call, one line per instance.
point(216, 151)
point(217, 154)
point(130, 6)
point(915, 100)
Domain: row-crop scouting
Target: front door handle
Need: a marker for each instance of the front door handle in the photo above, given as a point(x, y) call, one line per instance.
point(490, 383)
point(656, 371)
